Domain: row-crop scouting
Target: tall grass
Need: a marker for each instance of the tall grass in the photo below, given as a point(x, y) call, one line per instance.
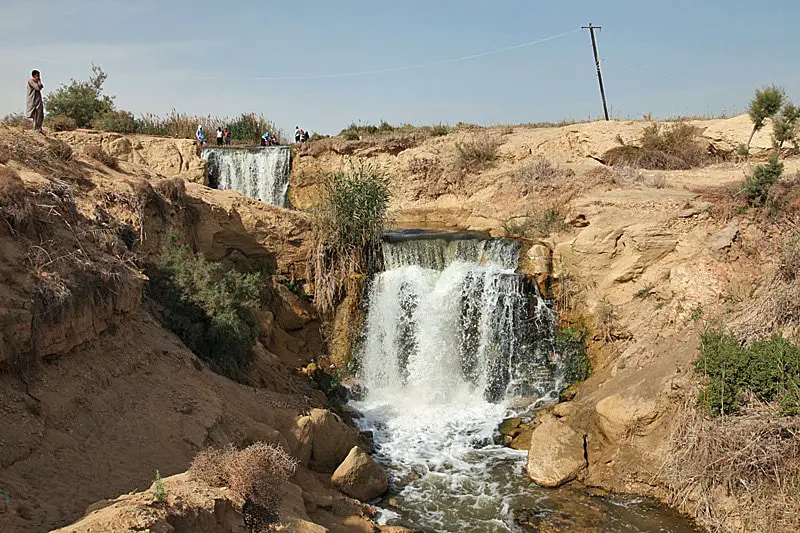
point(348, 230)
point(246, 128)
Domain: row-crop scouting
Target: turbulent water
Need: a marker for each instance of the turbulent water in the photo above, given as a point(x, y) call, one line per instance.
point(453, 336)
point(258, 173)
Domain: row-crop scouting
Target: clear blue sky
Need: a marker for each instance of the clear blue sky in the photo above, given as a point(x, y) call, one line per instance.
point(158, 52)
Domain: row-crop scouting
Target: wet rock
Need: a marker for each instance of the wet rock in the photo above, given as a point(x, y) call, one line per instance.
point(563, 410)
point(510, 426)
point(620, 417)
point(556, 454)
point(366, 440)
point(522, 440)
point(360, 477)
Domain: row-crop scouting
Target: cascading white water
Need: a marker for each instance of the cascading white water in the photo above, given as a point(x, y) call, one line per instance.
point(258, 173)
point(453, 334)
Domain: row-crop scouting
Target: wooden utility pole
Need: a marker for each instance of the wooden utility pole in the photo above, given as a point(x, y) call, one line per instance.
point(597, 64)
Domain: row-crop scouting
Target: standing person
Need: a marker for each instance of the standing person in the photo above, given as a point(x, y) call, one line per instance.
point(305, 136)
point(227, 137)
point(265, 139)
point(34, 106)
point(302, 135)
point(297, 134)
point(220, 136)
point(201, 136)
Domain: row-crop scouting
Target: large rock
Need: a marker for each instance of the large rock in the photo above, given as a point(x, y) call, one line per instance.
point(620, 417)
point(322, 440)
point(556, 453)
point(360, 477)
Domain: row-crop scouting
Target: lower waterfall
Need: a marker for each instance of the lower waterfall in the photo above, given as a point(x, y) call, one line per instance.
point(455, 338)
point(261, 173)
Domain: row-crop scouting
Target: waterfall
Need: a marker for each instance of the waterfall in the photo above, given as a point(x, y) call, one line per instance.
point(454, 337)
point(258, 173)
point(451, 314)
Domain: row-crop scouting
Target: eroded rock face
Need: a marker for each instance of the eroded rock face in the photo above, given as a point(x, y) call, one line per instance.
point(556, 453)
point(360, 477)
point(620, 417)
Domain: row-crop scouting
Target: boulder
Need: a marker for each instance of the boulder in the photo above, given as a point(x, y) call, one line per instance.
point(330, 439)
point(620, 417)
point(556, 454)
point(292, 312)
point(360, 477)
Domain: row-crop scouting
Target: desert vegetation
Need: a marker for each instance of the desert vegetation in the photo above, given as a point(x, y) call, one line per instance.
point(662, 147)
point(477, 152)
point(255, 476)
point(355, 132)
point(348, 230)
point(209, 307)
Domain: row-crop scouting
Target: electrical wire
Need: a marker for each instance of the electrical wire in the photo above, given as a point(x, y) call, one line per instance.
point(387, 70)
point(645, 69)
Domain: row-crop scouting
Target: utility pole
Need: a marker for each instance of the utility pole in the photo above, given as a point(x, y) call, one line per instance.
point(597, 64)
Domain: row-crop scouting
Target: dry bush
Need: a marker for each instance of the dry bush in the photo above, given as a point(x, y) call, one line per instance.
point(5, 154)
point(97, 153)
point(16, 202)
point(61, 123)
point(61, 150)
point(752, 458)
point(540, 172)
point(539, 224)
point(255, 476)
point(675, 147)
point(726, 204)
point(173, 189)
point(477, 152)
point(606, 321)
point(776, 305)
point(597, 176)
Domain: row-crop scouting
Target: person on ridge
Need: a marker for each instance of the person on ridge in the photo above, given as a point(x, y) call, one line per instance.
point(298, 135)
point(34, 106)
point(305, 136)
point(227, 137)
point(200, 135)
point(265, 139)
point(220, 136)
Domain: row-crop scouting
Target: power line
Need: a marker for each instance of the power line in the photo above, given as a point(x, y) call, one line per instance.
point(387, 70)
point(646, 69)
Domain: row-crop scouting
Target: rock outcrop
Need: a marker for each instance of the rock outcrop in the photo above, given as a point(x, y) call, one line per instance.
point(360, 477)
point(556, 453)
point(620, 417)
point(323, 440)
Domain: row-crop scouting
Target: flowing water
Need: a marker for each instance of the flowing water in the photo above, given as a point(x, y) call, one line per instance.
point(453, 336)
point(261, 173)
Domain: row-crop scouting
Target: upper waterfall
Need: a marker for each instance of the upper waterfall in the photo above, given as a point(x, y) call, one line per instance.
point(261, 173)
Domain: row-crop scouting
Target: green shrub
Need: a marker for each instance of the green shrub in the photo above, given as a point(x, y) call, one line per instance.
point(159, 491)
point(348, 230)
point(766, 103)
point(570, 341)
point(208, 307)
point(757, 186)
point(246, 128)
point(784, 126)
point(117, 121)
point(81, 100)
point(351, 136)
point(61, 123)
point(769, 369)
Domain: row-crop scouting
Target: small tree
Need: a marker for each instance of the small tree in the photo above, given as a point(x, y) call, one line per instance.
point(81, 100)
point(766, 103)
point(757, 186)
point(784, 127)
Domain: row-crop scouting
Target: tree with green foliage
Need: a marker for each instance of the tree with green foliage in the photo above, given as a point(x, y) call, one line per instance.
point(784, 126)
point(766, 103)
point(757, 186)
point(81, 100)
